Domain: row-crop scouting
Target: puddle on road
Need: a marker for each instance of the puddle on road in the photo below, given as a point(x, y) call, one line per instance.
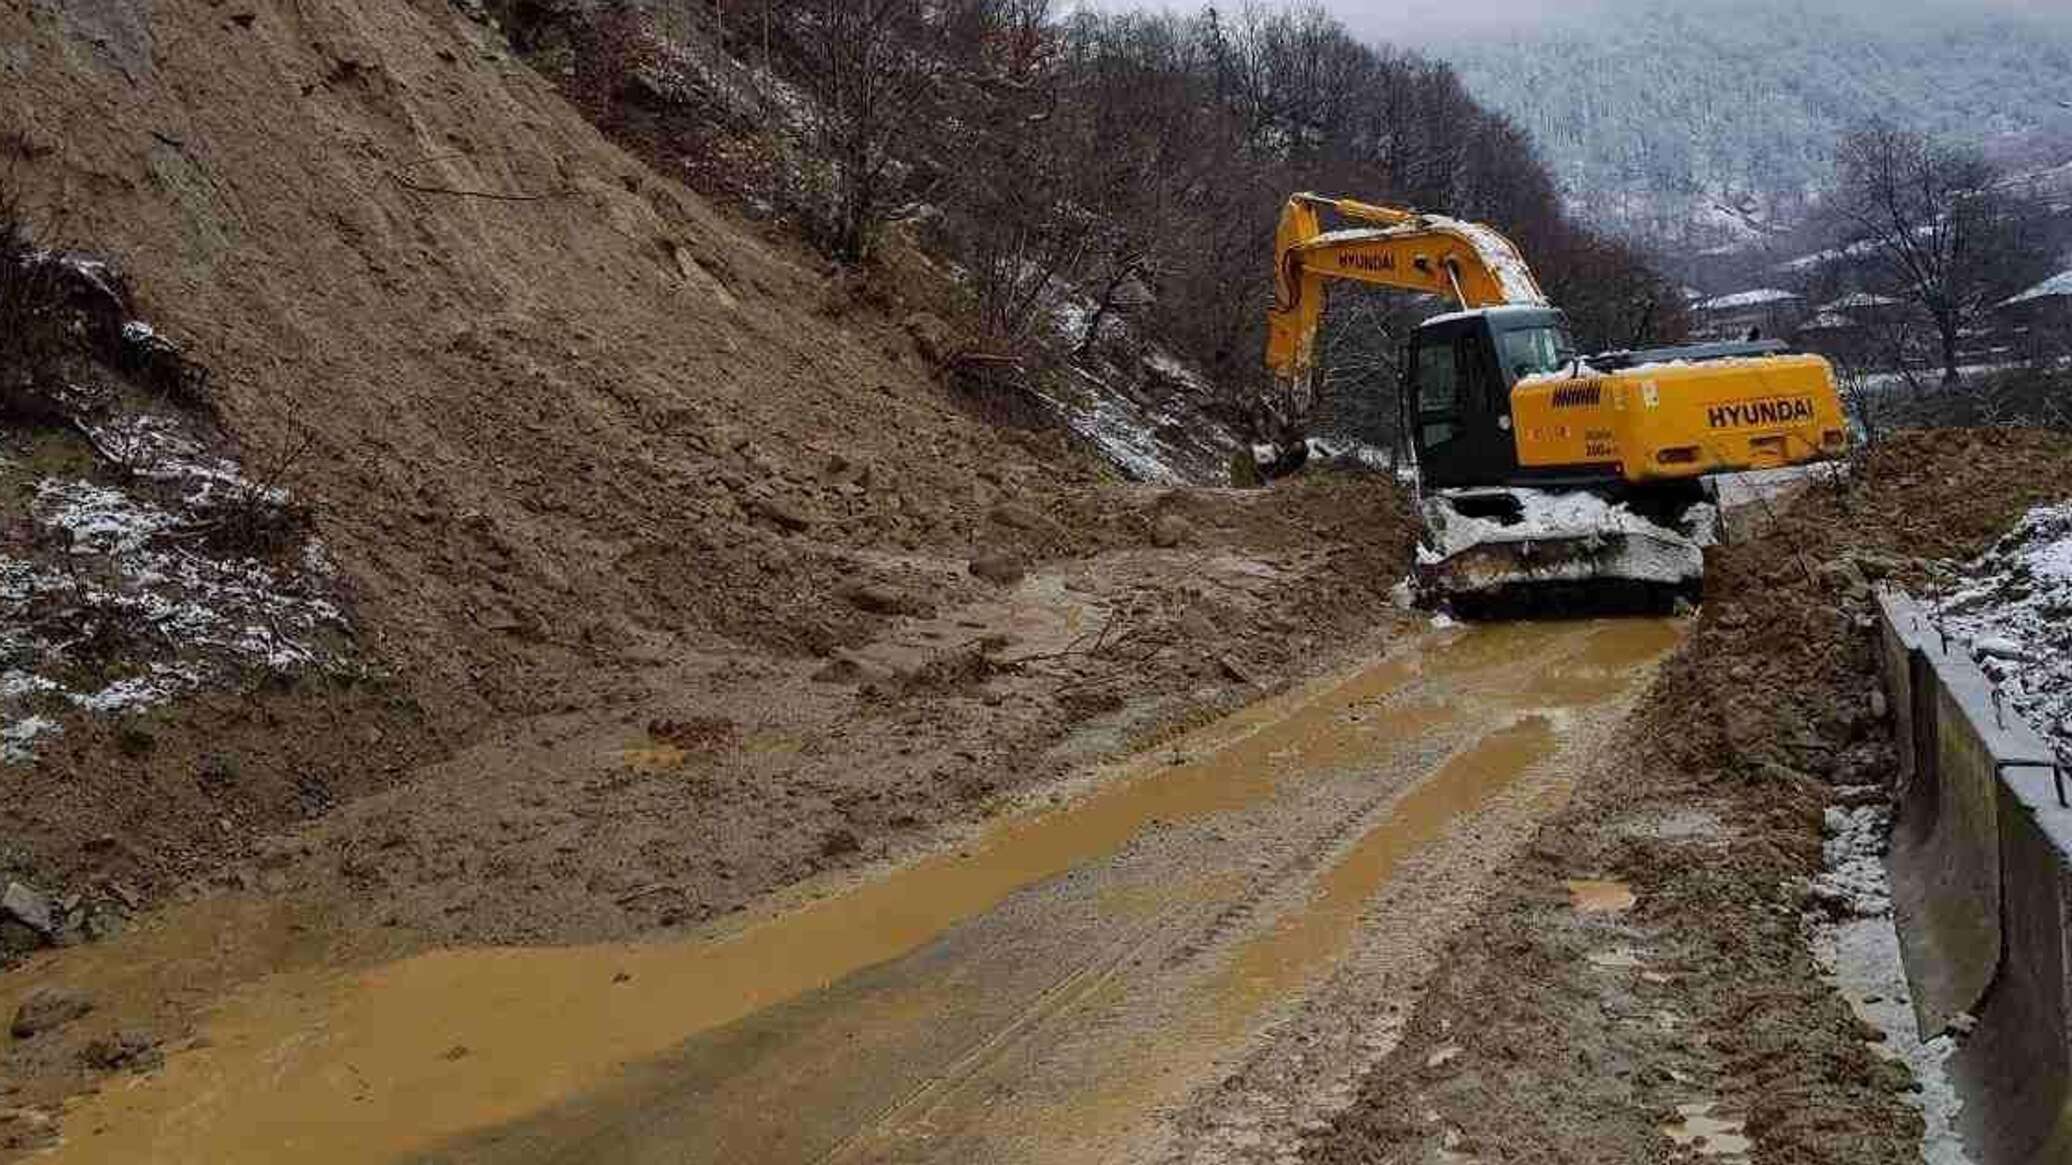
point(653, 758)
point(336, 1068)
point(1605, 664)
point(1711, 1136)
point(1592, 896)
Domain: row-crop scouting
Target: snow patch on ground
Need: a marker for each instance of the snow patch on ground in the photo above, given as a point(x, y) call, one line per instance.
point(1852, 938)
point(1163, 363)
point(1350, 452)
point(1852, 878)
point(1125, 434)
point(123, 601)
point(1142, 411)
point(18, 737)
point(97, 519)
point(2012, 609)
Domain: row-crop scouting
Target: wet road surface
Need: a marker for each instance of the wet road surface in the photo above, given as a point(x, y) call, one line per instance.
point(1061, 988)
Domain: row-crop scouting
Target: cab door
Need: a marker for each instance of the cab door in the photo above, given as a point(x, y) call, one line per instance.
point(1462, 406)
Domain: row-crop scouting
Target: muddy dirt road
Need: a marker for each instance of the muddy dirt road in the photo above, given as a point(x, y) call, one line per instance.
point(1193, 955)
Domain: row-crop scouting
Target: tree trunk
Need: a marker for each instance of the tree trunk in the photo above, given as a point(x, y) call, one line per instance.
point(1948, 330)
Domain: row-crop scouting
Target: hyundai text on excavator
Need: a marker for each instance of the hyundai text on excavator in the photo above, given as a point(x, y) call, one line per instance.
point(1544, 473)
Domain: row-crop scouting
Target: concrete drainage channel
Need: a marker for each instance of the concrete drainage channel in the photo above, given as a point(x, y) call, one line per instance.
point(1981, 883)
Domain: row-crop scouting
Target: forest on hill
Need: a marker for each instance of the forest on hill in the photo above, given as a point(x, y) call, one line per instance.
point(1704, 120)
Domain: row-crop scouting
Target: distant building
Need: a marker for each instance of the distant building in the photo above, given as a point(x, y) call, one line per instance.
point(2037, 324)
point(1861, 305)
point(1770, 310)
point(2057, 288)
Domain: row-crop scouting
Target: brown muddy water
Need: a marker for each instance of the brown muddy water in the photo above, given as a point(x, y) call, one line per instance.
point(1595, 896)
point(1151, 892)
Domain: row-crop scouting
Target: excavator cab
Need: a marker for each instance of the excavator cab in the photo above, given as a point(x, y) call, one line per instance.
point(1459, 373)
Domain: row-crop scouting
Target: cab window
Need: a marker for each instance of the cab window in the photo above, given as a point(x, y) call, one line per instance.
point(1437, 378)
point(1534, 351)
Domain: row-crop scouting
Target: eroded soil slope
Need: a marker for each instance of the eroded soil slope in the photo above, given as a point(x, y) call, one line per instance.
point(1607, 1034)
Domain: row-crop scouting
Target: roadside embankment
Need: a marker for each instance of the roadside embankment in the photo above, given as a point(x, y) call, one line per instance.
point(1982, 878)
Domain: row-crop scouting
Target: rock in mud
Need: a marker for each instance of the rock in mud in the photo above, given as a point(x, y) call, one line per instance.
point(46, 1009)
point(1019, 517)
point(125, 1050)
point(840, 671)
point(1170, 531)
point(1002, 570)
point(26, 1128)
point(30, 907)
point(936, 340)
point(883, 600)
point(781, 514)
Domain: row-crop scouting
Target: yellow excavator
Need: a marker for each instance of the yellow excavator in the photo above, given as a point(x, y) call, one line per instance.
point(1545, 475)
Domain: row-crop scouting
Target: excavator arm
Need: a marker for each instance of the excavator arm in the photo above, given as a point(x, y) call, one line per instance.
point(1400, 248)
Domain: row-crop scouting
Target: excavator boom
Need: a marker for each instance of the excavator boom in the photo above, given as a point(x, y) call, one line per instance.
point(1472, 264)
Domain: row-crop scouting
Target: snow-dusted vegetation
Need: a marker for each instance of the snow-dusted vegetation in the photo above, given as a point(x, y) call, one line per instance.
point(2013, 610)
point(161, 570)
point(138, 559)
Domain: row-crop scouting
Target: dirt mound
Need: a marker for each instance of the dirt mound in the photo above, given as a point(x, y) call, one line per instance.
point(1779, 670)
point(1559, 1033)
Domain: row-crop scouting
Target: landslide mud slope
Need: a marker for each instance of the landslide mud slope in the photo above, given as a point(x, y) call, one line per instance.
point(686, 579)
point(562, 411)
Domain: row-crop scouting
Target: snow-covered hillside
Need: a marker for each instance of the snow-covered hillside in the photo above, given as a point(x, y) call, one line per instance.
point(1712, 120)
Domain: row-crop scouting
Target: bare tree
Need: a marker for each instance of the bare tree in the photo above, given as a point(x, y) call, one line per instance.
point(870, 64)
point(1938, 227)
point(1135, 161)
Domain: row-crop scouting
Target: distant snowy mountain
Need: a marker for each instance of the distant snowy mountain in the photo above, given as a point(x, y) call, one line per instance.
point(1708, 125)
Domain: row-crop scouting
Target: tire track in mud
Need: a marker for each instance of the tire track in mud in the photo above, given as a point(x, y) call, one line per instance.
point(1052, 1005)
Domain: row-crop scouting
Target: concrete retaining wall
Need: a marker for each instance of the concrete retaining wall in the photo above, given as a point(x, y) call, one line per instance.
point(1981, 870)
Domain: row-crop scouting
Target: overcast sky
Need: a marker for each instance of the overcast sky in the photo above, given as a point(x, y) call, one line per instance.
point(1416, 22)
point(1399, 21)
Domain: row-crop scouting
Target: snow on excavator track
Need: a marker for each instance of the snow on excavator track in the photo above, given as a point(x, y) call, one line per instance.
point(1505, 550)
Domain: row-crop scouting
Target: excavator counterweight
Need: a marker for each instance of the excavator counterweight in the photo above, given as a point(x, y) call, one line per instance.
point(1537, 466)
